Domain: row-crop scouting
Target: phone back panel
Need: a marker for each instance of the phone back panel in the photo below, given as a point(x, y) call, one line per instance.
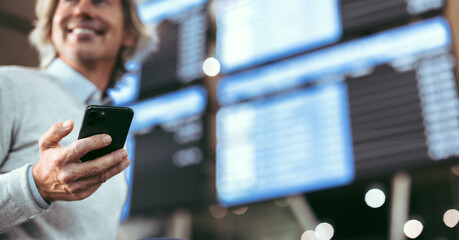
point(114, 121)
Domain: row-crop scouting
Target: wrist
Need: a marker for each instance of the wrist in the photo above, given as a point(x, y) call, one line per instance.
point(34, 190)
point(39, 185)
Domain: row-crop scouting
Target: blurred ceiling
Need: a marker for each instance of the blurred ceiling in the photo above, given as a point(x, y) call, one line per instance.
point(16, 21)
point(17, 14)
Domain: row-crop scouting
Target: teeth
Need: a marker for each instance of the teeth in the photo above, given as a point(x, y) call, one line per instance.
point(83, 31)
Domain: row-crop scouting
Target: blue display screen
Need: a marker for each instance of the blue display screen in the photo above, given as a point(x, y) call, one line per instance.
point(285, 145)
point(168, 107)
point(399, 44)
point(126, 90)
point(254, 32)
point(154, 11)
point(284, 128)
point(129, 175)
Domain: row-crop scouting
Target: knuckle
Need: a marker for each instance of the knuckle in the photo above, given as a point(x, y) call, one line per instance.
point(80, 148)
point(94, 169)
point(103, 178)
point(111, 159)
point(66, 155)
point(53, 129)
point(65, 177)
point(116, 159)
point(41, 140)
point(54, 159)
point(74, 189)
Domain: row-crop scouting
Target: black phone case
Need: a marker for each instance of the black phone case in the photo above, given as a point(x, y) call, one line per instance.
point(114, 121)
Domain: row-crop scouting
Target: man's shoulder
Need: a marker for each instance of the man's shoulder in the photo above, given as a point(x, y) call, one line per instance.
point(18, 75)
point(18, 71)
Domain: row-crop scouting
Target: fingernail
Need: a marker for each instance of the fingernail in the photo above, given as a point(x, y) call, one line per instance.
point(124, 154)
point(107, 139)
point(66, 124)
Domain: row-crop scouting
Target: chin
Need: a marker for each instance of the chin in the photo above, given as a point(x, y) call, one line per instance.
point(87, 56)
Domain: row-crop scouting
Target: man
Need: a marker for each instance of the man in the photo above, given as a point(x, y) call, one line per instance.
point(46, 192)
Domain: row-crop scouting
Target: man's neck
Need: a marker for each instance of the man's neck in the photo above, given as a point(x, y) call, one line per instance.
point(97, 72)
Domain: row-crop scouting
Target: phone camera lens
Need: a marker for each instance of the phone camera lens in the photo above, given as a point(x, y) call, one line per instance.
point(92, 115)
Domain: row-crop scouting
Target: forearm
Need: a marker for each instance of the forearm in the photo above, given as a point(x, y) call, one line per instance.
point(17, 204)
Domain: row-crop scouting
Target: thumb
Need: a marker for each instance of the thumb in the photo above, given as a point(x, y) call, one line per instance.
point(54, 135)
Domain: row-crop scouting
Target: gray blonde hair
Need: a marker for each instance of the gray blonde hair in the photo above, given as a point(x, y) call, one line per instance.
point(145, 42)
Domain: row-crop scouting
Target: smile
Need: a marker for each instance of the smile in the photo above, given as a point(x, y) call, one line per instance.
point(89, 28)
point(79, 31)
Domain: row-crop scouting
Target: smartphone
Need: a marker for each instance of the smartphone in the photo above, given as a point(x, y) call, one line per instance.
point(114, 121)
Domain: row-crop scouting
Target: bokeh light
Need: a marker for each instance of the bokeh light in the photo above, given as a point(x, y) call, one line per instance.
point(309, 235)
point(211, 67)
point(451, 218)
point(413, 228)
point(325, 231)
point(375, 198)
point(217, 211)
point(455, 170)
point(240, 210)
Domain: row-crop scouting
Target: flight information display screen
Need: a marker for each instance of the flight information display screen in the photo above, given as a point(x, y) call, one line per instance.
point(181, 27)
point(155, 11)
point(288, 144)
point(400, 90)
point(170, 156)
point(360, 16)
point(252, 32)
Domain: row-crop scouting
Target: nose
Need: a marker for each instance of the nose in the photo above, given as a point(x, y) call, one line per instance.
point(83, 9)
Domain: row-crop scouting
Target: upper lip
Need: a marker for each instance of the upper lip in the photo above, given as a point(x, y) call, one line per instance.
point(92, 25)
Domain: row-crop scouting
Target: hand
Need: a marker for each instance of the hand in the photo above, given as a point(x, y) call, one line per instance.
point(60, 174)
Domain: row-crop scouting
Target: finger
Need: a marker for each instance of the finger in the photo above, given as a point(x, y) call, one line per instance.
point(115, 170)
point(100, 165)
point(53, 136)
point(80, 185)
point(79, 148)
point(84, 193)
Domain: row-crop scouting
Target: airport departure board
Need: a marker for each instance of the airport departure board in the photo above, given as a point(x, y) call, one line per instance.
point(170, 161)
point(398, 85)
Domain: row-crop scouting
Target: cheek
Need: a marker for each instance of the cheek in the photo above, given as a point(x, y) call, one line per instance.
point(55, 31)
point(116, 22)
point(53, 35)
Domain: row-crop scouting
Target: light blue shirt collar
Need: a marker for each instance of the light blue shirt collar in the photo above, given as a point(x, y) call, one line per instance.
point(82, 88)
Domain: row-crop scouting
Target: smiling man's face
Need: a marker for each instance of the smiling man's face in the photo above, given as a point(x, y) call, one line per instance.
point(89, 31)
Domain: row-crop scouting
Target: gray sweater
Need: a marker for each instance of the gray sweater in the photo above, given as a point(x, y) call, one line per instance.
point(31, 101)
